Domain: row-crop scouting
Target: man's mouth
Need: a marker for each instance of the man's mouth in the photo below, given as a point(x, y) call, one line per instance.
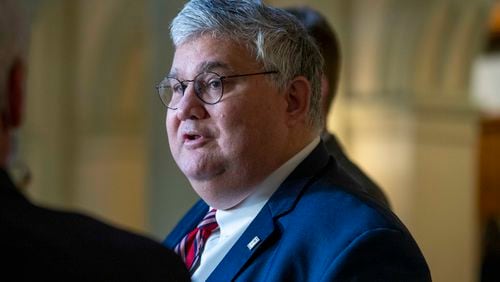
point(194, 140)
point(191, 137)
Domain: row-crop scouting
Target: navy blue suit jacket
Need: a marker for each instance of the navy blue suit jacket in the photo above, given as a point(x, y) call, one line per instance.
point(319, 225)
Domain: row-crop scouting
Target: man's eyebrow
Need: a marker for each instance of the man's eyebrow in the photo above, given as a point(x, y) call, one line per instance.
point(172, 73)
point(211, 65)
point(205, 66)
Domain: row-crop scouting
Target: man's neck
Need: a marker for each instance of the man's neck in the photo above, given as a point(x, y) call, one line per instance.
point(263, 191)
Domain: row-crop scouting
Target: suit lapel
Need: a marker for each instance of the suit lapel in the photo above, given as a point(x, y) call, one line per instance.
point(263, 226)
point(257, 232)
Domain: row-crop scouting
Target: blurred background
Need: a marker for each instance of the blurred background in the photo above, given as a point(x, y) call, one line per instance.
point(418, 109)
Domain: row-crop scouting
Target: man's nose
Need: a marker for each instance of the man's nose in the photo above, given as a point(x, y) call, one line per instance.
point(190, 106)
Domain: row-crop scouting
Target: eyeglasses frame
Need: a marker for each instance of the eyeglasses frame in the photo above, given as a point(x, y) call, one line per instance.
point(221, 77)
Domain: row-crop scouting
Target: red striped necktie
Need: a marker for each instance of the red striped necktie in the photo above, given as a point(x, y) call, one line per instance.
point(191, 246)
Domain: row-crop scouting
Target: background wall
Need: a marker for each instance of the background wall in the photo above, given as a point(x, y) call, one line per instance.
point(95, 138)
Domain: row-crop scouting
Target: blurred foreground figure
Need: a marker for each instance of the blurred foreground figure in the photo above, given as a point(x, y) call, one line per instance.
point(324, 36)
point(39, 244)
point(244, 119)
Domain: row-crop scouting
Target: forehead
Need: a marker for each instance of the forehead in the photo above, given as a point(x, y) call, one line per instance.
point(211, 54)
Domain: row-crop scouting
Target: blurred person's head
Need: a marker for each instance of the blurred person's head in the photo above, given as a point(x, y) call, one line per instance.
point(13, 50)
point(245, 87)
point(324, 36)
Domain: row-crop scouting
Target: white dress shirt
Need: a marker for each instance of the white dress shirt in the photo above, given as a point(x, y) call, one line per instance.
point(233, 222)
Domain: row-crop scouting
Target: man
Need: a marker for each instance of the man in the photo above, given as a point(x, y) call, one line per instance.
point(244, 124)
point(317, 26)
point(40, 244)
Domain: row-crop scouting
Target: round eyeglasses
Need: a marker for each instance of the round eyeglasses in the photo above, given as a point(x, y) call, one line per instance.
point(208, 87)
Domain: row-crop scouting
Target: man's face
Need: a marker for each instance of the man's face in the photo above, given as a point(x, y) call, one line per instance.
point(226, 148)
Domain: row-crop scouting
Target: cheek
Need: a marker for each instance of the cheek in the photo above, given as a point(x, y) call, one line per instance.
point(242, 128)
point(231, 128)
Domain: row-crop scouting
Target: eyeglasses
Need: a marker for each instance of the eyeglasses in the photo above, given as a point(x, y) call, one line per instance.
point(208, 87)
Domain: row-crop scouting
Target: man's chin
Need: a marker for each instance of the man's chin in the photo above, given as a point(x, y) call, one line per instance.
point(200, 176)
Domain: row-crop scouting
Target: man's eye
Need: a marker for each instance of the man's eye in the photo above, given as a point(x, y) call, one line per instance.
point(178, 88)
point(215, 84)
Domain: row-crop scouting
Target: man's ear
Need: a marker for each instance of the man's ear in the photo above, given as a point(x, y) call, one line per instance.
point(298, 99)
point(15, 95)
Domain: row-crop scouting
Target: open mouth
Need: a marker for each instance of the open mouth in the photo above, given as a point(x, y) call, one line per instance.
point(194, 141)
point(192, 137)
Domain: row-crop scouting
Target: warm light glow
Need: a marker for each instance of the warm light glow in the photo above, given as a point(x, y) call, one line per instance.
point(495, 18)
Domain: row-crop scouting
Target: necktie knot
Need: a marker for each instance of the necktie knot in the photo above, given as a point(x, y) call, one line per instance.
point(191, 246)
point(208, 222)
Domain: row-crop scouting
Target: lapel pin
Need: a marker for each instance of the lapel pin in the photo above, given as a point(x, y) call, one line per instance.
point(253, 243)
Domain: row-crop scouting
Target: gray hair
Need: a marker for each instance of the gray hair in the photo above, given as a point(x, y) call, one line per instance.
point(276, 38)
point(13, 42)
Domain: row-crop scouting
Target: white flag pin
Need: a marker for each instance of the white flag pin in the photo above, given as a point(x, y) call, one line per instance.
point(253, 243)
